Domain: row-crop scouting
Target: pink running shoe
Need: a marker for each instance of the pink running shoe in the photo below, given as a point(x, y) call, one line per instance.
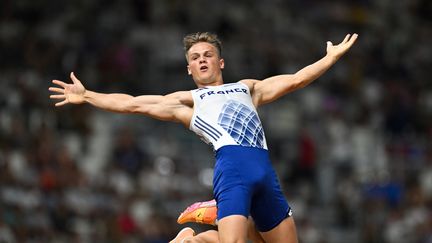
point(200, 212)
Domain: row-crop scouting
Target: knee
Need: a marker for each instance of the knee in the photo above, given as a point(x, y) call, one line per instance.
point(210, 236)
point(188, 240)
point(192, 239)
point(232, 239)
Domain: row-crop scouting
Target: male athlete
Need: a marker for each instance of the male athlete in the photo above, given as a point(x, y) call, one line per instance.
point(225, 116)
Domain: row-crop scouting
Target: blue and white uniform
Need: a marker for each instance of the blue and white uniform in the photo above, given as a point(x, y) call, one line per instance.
point(244, 181)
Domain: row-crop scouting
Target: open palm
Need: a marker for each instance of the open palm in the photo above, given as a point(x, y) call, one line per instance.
point(68, 93)
point(340, 49)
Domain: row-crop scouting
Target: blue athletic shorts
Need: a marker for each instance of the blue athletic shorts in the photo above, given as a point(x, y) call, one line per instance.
point(245, 183)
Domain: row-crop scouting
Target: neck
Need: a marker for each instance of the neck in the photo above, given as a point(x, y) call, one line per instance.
point(215, 82)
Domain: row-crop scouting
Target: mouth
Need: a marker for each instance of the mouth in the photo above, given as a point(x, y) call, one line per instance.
point(203, 68)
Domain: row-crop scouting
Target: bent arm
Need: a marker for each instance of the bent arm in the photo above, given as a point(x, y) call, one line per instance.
point(272, 88)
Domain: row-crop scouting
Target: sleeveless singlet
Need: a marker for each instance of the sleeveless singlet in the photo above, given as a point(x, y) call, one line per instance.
point(225, 115)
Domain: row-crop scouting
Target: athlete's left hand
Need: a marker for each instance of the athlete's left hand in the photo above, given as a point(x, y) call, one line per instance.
point(338, 50)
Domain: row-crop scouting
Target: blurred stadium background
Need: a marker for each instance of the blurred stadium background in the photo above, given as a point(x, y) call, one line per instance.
point(353, 150)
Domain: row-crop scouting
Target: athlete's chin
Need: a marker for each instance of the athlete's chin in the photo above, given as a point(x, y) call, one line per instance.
point(206, 80)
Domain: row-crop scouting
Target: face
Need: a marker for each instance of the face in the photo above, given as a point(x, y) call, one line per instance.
point(204, 64)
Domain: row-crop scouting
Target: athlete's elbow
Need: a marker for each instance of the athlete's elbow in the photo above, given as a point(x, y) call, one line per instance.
point(138, 110)
point(300, 85)
point(300, 82)
point(130, 107)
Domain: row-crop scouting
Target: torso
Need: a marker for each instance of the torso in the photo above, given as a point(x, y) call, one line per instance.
point(226, 115)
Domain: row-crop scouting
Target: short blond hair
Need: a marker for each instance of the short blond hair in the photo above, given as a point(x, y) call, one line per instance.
point(211, 38)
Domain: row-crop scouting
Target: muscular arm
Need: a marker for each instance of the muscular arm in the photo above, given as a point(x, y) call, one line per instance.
point(174, 107)
point(272, 88)
point(162, 107)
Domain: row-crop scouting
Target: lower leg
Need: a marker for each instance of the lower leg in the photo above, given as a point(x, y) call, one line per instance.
point(210, 236)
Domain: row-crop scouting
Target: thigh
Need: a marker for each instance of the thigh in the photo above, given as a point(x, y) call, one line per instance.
point(285, 232)
point(232, 194)
point(233, 229)
point(253, 235)
point(269, 206)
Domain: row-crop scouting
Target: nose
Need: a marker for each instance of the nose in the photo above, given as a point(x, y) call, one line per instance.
point(202, 59)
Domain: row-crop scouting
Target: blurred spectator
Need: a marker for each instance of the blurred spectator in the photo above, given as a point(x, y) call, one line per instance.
point(353, 150)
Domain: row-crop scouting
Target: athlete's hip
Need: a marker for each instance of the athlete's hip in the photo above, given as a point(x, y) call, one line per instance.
point(242, 166)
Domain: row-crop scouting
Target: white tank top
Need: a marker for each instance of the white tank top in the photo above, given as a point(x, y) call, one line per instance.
point(225, 115)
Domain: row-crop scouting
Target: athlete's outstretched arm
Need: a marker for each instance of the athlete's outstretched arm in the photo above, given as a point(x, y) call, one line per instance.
point(162, 107)
point(272, 88)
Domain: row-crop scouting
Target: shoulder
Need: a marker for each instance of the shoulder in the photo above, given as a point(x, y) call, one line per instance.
point(183, 97)
point(250, 83)
point(183, 103)
point(254, 90)
point(179, 94)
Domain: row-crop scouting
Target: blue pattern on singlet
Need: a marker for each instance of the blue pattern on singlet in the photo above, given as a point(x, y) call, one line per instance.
point(242, 123)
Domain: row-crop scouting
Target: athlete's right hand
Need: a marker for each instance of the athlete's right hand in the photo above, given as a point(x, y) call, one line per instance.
point(68, 93)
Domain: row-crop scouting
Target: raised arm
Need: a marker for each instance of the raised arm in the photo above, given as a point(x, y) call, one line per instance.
point(172, 107)
point(272, 88)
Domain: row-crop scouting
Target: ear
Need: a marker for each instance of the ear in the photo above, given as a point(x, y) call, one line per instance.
point(189, 70)
point(221, 63)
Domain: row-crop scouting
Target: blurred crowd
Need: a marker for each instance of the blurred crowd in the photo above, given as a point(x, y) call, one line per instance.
point(353, 150)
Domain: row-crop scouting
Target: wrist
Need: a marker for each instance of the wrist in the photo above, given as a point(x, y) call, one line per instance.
point(86, 96)
point(331, 57)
